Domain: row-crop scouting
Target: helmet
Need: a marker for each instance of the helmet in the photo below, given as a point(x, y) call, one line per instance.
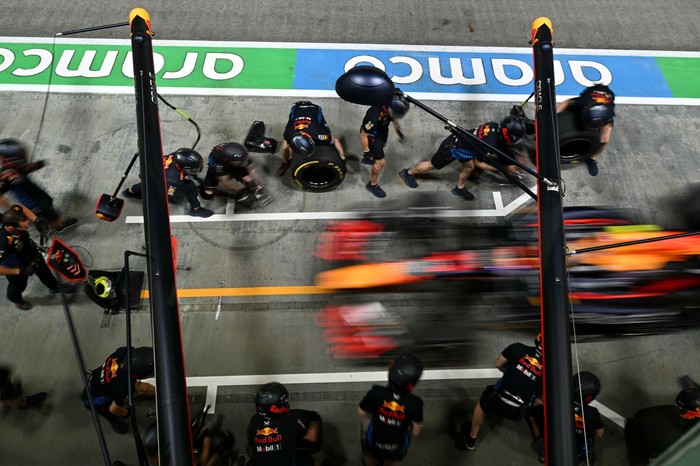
point(302, 144)
point(512, 130)
point(272, 400)
point(538, 341)
point(404, 372)
point(188, 161)
point(102, 286)
point(589, 388)
point(142, 362)
point(13, 154)
point(596, 115)
point(398, 106)
point(688, 403)
point(235, 153)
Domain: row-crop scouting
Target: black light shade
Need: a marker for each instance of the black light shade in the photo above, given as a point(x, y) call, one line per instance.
point(365, 85)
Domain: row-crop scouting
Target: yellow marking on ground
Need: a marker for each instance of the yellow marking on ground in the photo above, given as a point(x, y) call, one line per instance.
point(252, 291)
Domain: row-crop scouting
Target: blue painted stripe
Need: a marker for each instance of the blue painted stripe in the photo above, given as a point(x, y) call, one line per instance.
point(632, 76)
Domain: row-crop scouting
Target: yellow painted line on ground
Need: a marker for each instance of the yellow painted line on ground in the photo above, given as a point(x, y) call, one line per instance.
point(252, 291)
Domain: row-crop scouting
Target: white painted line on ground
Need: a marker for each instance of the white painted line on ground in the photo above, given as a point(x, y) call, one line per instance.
point(498, 201)
point(436, 212)
point(212, 383)
point(609, 413)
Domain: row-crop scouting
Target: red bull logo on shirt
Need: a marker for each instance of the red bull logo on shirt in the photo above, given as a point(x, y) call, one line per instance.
point(392, 413)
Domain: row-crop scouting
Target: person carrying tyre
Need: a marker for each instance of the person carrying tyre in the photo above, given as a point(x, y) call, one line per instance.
point(275, 432)
point(396, 414)
point(650, 431)
point(374, 134)
point(595, 109)
point(20, 258)
point(513, 395)
point(231, 172)
point(109, 385)
point(505, 136)
point(14, 179)
point(179, 167)
point(306, 128)
point(588, 425)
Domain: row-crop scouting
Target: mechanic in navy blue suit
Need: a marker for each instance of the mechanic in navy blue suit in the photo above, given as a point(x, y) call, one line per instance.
point(504, 136)
point(230, 171)
point(20, 258)
point(179, 166)
point(595, 107)
point(395, 413)
point(306, 128)
point(514, 394)
point(374, 134)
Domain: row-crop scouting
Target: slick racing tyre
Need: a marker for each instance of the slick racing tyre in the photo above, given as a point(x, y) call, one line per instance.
point(323, 171)
point(575, 144)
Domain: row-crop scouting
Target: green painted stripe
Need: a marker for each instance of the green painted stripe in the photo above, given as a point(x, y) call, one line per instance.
point(270, 68)
point(682, 75)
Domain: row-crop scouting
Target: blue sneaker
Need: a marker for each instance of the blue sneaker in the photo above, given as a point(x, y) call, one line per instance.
point(592, 166)
point(376, 190)
point(463, 193)
point(409, 179)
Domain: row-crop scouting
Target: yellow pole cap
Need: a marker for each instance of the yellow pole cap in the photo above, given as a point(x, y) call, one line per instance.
point(542, 20)
point(142, 13)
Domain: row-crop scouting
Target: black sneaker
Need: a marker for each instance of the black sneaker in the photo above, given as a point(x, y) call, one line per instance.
point(130, 194)
point(376, 190)
point(537, 446)
point(367, 161)
point(67, 223)
point(33, 400)
point(592, 166)
point(283, 169)
point(409, 179)
point(463, 193)
point(119, 426)
point(469, 443)
point(24, 306)
point(67, 289)
point(201, 212)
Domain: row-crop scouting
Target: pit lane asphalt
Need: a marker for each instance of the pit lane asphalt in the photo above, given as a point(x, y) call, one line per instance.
point(88, 140)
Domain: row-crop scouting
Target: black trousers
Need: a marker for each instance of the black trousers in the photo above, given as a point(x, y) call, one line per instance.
point(185, 188)
point(18, 283)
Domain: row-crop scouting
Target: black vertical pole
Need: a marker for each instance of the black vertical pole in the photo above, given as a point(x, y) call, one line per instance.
point(558, 397)
point(175, 443)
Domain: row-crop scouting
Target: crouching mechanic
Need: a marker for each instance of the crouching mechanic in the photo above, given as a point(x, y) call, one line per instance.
point(231, 172)
point(179, 166)
point(109, 385)
point(306, 127)
point(279, 436)
point(513, 395)
point(20, 258)
point(395, 413)
point(505, 136)
point(588, 424)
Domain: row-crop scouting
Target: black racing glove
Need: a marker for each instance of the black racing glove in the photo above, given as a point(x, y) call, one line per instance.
point(28, 269)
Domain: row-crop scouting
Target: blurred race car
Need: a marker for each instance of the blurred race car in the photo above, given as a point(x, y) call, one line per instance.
point(637, 288)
